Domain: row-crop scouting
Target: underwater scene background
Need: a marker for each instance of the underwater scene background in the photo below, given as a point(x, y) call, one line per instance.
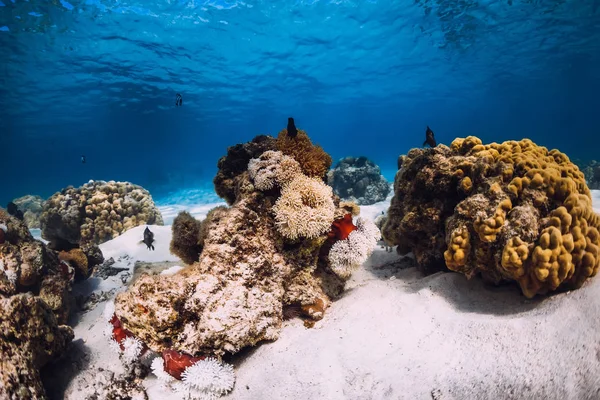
point(99, 78)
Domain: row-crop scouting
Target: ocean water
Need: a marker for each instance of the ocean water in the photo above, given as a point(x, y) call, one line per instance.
point(99, 78)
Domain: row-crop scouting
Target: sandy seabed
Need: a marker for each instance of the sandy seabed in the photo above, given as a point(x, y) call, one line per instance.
point(394, 334)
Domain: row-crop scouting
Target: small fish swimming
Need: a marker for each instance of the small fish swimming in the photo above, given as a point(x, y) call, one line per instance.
point(14, 211)
point(83, 159)
point(429, 138)
point(148, 239)
point(291, 128)
point(178, 100)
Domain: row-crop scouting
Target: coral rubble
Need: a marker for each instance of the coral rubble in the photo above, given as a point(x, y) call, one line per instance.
point(267, 251)
point(510, 212)
point(358, 179)
point(95, 213)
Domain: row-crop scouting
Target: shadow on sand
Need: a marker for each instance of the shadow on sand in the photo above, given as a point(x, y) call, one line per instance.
point(471, 296)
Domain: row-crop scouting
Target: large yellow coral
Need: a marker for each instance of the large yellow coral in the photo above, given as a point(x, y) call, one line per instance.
point(566, 251)
point(512, 210)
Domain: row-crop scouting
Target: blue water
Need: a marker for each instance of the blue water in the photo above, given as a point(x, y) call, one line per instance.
point(99, 78)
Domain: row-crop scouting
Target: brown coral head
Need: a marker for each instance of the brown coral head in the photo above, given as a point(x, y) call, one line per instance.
point(175, 362)
point(341, 228)
point(2, 234)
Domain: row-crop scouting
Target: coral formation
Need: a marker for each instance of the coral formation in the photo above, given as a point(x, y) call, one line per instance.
point(267, 252)
point(30, 337)
point(236, 162)
point(189, 234)
point(31, 206)
point(28, 265)
point(511, 212)
point(358, 179)
point(95, 213)
point(313, 160)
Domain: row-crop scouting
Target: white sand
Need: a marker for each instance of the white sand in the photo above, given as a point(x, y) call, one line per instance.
point(397, 335)
point(130, 244)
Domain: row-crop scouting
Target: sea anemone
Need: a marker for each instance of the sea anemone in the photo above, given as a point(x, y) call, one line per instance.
point(304, 209)
point(203, 379)
point(348, 254)
point(341, 228)
point(176, 362)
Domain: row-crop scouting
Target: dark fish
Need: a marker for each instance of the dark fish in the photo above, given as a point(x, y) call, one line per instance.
point(83, 159)
point(429, 138)
point(148, 239)
point(178, 100)
point(291, 128)
point(14, 211)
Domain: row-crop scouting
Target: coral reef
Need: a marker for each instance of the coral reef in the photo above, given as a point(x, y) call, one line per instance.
point(95, 213)
point(267, 251)
point(31, 206)
point(510, 212)
point(236, 162)
point(30, 337)
point(358, 179)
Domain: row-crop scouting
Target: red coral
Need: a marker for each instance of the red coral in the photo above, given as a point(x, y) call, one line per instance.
point(119, 333)
point(175, 362)
point(341, 228)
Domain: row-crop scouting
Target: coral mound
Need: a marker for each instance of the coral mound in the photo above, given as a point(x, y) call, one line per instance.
point(95, 213)
point(30, 337)
point(513, 211)
point(27, 264)
point(358, 179)
point(251, 260)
